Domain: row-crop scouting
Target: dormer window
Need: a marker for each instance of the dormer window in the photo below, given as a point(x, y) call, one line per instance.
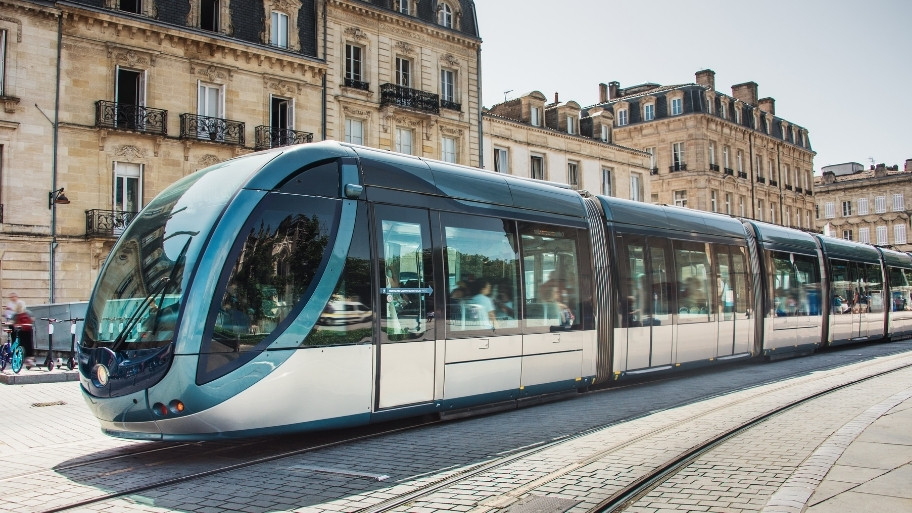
point(570, 125)
point(446, 16)
point(534, 116)
point(605, 133)
point(405, 7)
point(677, 106)
point(722, 112)
point(649, 112)
point(134, 6)
point(279, 31)
point(622, 117)
point(209, 15)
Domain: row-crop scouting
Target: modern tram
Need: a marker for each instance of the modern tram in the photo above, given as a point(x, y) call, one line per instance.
point(330, 285)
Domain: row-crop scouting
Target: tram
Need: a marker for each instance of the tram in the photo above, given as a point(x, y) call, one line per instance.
point(329, 285)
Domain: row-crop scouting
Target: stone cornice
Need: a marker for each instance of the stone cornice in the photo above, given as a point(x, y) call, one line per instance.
point(407, 22)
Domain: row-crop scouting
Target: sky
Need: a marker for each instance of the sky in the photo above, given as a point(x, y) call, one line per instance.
point(841, 69)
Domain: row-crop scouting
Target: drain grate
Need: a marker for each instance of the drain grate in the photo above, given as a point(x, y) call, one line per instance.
point(52, 403)
point(537, 504)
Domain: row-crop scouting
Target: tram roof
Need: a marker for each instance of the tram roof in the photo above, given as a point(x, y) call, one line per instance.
point(896, 258)
point(774, 236)
point(666, 218)
point(841, 248)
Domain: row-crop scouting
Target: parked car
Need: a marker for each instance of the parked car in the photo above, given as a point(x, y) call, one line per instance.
point(344, 312)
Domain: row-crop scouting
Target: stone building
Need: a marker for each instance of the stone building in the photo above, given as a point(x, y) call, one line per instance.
point(560, 142)
point(107, 102)
point(716, 152)
point(866, 205)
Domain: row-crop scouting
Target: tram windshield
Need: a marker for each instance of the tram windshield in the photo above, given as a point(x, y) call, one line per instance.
point(139, 292)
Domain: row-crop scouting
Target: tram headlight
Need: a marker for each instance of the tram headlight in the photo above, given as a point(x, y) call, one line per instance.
point(101, 375)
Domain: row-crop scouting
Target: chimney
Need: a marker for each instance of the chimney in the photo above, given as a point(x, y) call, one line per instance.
point(746, 92)
point(614, 90)
point(707, 78)
point(880, 171)
point(603, 93)
point(768, 105)
point(908, 167)
point(556, 100)
point(829, 177)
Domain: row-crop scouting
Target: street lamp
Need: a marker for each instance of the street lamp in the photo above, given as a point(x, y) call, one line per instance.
point(57, 198)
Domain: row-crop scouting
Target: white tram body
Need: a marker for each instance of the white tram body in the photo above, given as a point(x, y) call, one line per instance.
point(327, 285)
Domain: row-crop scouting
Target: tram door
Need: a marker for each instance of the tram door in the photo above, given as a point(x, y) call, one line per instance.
point(647, 288)
point(406, 351)
point(732, 291)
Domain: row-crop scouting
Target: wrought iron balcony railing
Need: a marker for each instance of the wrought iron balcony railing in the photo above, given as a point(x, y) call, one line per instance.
point(680, 166)
point(714, 167)
point(761, 179)
point(107, 223)
point(121, 116)
point(206, 128)
point(654, 171)
point(774, 183)
point(788, 187)
point(742, 174)
point(272, 137)
point(451, 105)
point(729, 171)
point(799, 190)
point(392, 94)
point(357, 84)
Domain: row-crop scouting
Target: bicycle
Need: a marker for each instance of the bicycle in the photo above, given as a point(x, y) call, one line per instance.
point(11, 353)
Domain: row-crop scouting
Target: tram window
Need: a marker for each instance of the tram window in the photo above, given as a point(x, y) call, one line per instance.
point(319, 180)
point(634, 282)
point(550, 277)
point(740, 280)
point(693, 275)
point(900, 289)
point(346, 318)
point(873, 291)
point(281, 250)
point(842, 289)
point(481, 270)
point(406, 283)
point(795, 282)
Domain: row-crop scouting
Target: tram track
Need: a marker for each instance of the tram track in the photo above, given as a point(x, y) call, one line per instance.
point(444, 479)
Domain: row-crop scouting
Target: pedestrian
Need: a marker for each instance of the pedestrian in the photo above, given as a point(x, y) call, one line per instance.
point(16, 313)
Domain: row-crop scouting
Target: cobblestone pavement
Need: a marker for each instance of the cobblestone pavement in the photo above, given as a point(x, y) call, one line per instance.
point(40, 433)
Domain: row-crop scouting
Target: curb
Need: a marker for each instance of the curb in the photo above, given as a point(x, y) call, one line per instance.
point(38, 376)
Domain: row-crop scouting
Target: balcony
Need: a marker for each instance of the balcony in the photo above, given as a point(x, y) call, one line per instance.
point(107, 223)
point(450, 105)
point(788, 187)
point(392, 94)
point(121, 116)
point(266, 137)
point(654, 171)
point(729, 171)
point(714, 167)
point(680, 166)
point(742, 174)
point(774, 183)
point(799, 190)
point(205, 128)
point(357, 84)
point(761, 179)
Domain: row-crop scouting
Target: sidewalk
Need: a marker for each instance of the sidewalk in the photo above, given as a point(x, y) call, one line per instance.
point(39, 374)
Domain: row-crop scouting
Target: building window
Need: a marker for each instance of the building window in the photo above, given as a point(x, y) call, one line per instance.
point(773, 213)
point(829, 210)
point(354, 131)
point(899, 234)
point(573, 174)
point(862, 206)
point(2, 62)
point(279, 35)
point(448, 149)
point(134, 6)
point(737, 115)
point(788, 217)
point(725, 158)
point(677, 156)
point(537, 167)
point(881, 235)
point(501, 160)
point(571, 129)
point(649, 112)
point(403, 72)
point(446, 15)
point(127, 188)
point(712, 155)
point(847, 234)
point(622, 117)
point(652, 159)
point(759, 166)
point(846, 208)
point(739, 162)
point(405, 7)
point(605, 133)
point(606, 182)
point(760, 210)
point(354, 65)
point(677, 106)
point(210, 104)
point(209, 14)
point(448, 85)
point(534, 116)
point(712, 201)
point(864, 235)
point(741, 205)
point(404, 140)
point(880, 204)
point(728, 203)
point(898, 203)
point(722, 112)
point(680, 198)
point(636, 187)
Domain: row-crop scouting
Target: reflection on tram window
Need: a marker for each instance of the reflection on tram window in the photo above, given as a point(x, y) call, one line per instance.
point(795, 282)
point(693, 275)
point(346, 318)
point(550, 278)
point(481, 269)
point(284, 246)
point(900, 289)
point(406, 290)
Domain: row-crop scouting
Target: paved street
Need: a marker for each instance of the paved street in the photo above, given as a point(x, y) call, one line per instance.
point(782, 463)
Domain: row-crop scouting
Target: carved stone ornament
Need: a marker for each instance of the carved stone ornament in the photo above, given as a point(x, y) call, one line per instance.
point(355, 33)
point(356, 112)
point(450, 60)
point(288, 6)
point(209, 160)
point(405, 48)
point(129, 152)
point(211, 72)
point(281, 86)
point(448, 130)
point(130, 57)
